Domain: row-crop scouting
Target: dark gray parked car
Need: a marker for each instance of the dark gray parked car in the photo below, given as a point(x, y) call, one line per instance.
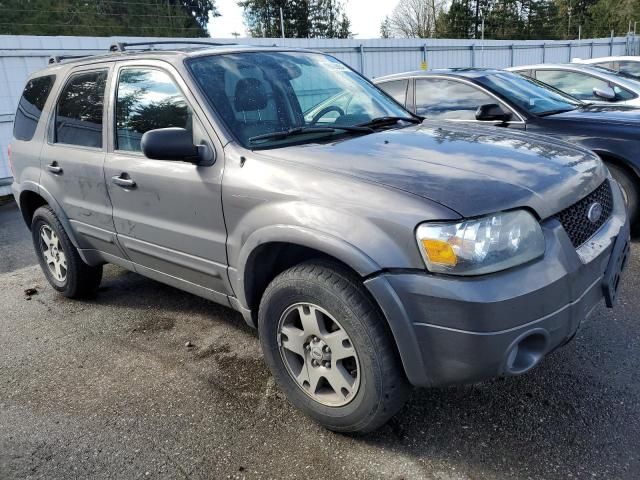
point(487, 97)
point(370, 250)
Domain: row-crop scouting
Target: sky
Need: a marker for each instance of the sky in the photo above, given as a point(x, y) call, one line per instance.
point(365, 16)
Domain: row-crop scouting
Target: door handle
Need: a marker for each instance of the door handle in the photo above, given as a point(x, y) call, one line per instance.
point(123, 181)
point(53, 167)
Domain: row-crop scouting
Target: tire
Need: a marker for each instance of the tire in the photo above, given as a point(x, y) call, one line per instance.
point(55, 252)
point(353, 325)
point(629, 191)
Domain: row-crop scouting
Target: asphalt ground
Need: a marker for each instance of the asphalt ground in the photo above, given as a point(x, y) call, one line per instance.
point(107, 388)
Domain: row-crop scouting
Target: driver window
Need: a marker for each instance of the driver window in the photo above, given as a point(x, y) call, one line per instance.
point(576, 84)
point(147, 99)
point(325, 101)
point(438, 98)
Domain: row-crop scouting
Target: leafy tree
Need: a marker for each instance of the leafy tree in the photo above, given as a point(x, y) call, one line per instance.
point(607, 15)
point(416, 18)
point(157, 18)
point(535, 19)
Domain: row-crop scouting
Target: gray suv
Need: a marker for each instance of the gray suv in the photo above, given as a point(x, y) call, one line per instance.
point(372, 250)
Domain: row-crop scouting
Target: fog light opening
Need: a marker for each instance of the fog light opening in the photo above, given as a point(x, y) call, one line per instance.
point(526, 352)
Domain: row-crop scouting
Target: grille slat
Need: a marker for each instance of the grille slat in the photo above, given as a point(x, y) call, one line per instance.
point(574, 218)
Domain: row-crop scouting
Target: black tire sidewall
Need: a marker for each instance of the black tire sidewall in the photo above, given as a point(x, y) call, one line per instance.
point(629, 189)
point(367, 399)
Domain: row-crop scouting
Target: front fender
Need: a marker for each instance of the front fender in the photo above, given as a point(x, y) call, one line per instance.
point(19, 192)
point(328, 244)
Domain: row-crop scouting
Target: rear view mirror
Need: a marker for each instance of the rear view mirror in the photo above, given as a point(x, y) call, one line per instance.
point(605, 93)
point(492, 112)
point(170, 144)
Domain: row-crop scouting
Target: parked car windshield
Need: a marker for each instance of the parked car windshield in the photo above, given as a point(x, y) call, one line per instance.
point(529, 94)
point(313, 95)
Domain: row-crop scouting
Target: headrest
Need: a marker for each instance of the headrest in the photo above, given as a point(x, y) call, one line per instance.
point(250, 95)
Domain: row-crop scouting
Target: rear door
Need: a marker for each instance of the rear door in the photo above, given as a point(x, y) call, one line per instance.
point(167, 214)
point(73, 155)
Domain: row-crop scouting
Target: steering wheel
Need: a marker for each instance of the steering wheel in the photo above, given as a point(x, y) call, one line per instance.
point(324, 111)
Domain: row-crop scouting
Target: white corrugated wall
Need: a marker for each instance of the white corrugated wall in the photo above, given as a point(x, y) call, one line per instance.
point(22, 55)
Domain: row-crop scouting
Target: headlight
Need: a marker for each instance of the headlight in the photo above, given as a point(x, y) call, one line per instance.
point(481, 245)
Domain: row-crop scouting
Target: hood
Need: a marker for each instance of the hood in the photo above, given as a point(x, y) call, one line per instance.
point(470, 170)
point(601, 114)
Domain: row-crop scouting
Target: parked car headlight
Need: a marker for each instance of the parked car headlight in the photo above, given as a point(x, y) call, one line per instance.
point(481, 245)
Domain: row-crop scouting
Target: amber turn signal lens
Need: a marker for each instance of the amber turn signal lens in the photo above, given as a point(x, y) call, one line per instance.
point(440, 252)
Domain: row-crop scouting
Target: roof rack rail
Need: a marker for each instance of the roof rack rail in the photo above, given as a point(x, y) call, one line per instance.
point(122, 46)
point(60, 58)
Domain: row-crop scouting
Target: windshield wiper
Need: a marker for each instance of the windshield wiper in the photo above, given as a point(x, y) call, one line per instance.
point(384, 121)
point(553, 112)
point(292, 132)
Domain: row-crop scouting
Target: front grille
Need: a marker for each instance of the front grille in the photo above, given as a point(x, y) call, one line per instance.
point(574, 218)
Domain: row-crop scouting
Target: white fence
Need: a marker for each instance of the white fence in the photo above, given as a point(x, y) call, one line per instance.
point(22, 55)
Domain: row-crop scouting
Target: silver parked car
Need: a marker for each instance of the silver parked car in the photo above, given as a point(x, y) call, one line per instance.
point(625, 64)
point(371, 251)
point(588, 83)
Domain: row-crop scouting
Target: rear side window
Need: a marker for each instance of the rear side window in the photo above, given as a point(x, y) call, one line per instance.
point(80, 109)
point(147, 99)
point(30, 106)
point(396, 89)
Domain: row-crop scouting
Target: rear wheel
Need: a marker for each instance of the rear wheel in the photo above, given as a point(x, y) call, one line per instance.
point(59, 259)
point(629, 190)
point(329, 348)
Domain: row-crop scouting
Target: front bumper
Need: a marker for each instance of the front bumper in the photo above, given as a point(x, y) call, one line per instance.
point(453, 330)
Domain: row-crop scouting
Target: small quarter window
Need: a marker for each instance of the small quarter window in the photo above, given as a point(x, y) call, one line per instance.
point(396, 89)
point(30, 107)
point(80, 109)
point(147, 99)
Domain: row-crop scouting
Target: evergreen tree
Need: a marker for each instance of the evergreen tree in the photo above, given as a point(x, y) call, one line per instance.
point(458, 22)
point(385, 28)
point(157, 18)
point(302, 18)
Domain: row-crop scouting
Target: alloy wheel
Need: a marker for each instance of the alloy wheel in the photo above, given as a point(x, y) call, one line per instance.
point(53, 253)
point(319, 354)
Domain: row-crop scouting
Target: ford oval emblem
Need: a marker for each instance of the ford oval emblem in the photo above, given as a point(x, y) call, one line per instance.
point(595, 212)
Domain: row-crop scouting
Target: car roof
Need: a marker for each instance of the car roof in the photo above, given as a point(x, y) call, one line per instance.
point(454, 72)
point(607, 59)
point(170, 54)
point(579, 67)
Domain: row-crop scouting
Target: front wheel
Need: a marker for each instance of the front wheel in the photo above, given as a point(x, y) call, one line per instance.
point(59, 259)
point(629, 190)
point(329, 348)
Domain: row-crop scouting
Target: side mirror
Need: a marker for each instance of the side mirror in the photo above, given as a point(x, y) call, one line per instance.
point(171, 144)
point(492, 112)
point(606, 93)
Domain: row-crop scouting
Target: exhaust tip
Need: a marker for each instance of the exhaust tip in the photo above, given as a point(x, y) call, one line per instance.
point(526, 352)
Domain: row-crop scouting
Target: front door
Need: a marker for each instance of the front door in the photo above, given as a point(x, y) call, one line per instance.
point(440, 98)
point(167, 214)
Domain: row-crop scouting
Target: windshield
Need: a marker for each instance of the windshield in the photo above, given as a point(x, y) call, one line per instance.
point(259, 93)
point(529, 94)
